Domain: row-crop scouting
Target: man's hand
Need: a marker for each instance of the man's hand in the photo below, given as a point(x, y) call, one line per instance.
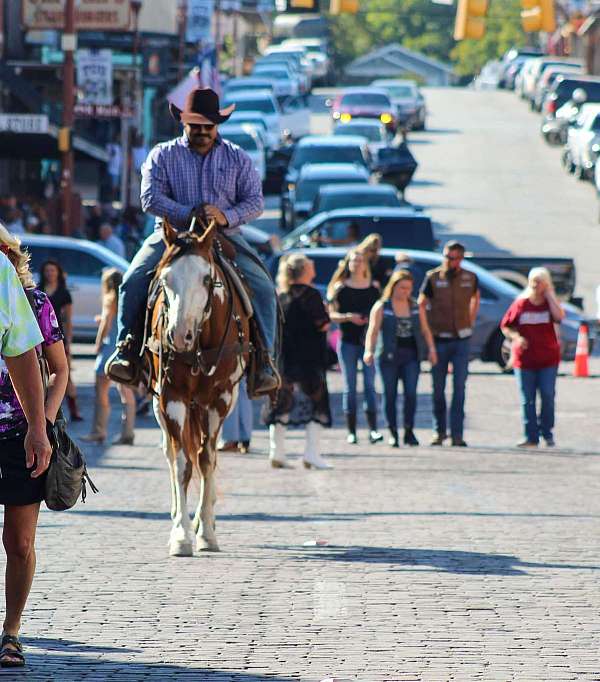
point(37, 450)
point(214, 213)
point(521, 342)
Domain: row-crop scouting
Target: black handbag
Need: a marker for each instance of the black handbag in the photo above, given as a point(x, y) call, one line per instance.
point(66, 477)
point(67, 474)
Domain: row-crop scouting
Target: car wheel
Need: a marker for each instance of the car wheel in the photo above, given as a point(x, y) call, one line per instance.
point(500, 351)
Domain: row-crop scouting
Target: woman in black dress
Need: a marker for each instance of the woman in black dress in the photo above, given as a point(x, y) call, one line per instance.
point(303, 399)
point(53, 283)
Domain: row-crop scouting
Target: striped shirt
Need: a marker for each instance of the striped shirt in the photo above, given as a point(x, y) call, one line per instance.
point(176, 179)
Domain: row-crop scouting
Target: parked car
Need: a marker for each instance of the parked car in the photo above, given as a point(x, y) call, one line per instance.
point(512, 62)
point(83, 261)
point(327, 149)
point(255, 120)
point(298, 200)
point(366, 102)
point(537, 66)
point(583, 142)
point(297, 55)
point(546, 81)
point(247, 84)
point(487, 342)
point(408, 100)
point(333, 196)
point(285, 83)
point(378, 136)
point(264, 103)
point(399, 228)
point(247, 137)
point(562, 91)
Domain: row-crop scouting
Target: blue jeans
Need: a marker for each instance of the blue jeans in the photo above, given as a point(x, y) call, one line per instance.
point(455, 351)
point(237, 427)
point(349, 356)
point(530, 381)
point(391, 373)
point(134, 289)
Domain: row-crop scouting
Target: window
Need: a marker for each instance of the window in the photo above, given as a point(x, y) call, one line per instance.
point(265, 106)
point(366, 99)
point(246, 142)
point(356, 199)
point(372, 133)
point(314, 154)
point(401, 91)
point(79, 263)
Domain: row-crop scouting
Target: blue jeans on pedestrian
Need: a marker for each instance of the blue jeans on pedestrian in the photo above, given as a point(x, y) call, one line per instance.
point(134, 289)
point(237, 427)
point(391, 373)
point(455, 351)
point(349, 356)
point(530, 381)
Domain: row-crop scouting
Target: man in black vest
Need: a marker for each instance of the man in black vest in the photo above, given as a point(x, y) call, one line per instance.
point(448, 306)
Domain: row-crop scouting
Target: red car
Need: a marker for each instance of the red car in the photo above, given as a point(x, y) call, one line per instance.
point(365, 103)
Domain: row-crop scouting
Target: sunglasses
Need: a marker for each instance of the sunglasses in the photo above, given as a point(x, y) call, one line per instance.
point(208, 127)
point(452, 258)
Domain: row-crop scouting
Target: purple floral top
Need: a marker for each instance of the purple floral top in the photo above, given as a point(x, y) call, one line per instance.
point(12, 418)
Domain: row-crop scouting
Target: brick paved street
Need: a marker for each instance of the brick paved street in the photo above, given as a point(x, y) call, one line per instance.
point(479, 564)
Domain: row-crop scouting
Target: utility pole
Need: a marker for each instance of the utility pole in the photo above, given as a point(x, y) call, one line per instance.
point(69, 45)
point(183, 15)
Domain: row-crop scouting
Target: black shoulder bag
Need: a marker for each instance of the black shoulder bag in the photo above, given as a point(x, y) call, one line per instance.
point(67, 474)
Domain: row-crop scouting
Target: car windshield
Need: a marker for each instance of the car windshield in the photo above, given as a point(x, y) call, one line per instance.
point(372, 133)
point(367, 99)
point(327, 154)
point(265, 106)
point(275, 74)
point(237, 87)
point(246, 142)
point(401, 91)
point(356, 199)
point(256, 122)
point(308, 189)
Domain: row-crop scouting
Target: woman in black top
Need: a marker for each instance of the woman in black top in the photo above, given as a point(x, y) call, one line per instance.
point(303, 398)
point(352, 294)
point(53, 283)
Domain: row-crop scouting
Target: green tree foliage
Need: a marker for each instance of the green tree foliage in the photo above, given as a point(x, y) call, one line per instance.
point(503, 30)
point(426, 27)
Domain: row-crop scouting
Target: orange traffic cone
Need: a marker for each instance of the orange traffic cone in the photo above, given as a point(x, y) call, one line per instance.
point(581, 368)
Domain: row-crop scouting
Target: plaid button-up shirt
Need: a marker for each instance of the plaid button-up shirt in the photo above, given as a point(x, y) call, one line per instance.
point(176, 179)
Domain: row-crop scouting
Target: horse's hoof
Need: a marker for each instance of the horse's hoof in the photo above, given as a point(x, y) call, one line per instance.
point(181, 548)
point(203, 545)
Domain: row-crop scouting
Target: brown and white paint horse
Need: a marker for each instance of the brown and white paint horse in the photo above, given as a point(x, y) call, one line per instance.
point(200, 349)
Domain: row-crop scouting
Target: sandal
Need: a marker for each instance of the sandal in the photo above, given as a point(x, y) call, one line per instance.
point(11, 648)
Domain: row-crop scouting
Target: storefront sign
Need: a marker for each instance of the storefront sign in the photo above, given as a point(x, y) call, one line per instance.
point(94, 77)
point(199, 19)
point(101, 111)
point(90, 15)
point(23, 123)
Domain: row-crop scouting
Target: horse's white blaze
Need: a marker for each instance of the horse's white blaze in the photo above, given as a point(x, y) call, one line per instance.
point(187, 297)
point(176, 411)
point(226, 397)
point(220, 290)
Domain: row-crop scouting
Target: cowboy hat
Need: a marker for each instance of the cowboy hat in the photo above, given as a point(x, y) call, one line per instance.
point(201, 106)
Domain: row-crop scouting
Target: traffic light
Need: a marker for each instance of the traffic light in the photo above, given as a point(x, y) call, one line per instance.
point(538, 15)
point(303, 4)
point(470, 21)
point(343, 6)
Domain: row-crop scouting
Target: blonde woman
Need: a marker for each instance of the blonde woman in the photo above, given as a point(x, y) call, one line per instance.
point(106, 340)
point(371, 247)
point(396, 340)
point(21, 485)
point(530, 323)
point(351, 295)
point(303, 399)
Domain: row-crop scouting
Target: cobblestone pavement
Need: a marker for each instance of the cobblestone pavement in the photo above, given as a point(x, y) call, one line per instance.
point(439, 564)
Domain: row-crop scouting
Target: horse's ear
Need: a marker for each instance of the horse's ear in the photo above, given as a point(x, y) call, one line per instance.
point(169, 232)
point(209, 235)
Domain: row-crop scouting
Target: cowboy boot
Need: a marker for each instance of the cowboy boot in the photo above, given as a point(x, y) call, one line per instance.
point(312, 458)
point(374, 435)
point(123, 366)
point(127, 425)
point(277, 447)
point(101, 415)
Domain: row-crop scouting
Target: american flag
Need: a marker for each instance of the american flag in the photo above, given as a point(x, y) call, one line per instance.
point(208, 61)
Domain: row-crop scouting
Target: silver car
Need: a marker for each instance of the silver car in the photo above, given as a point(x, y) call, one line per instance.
point(408, 100)
point(83, 262)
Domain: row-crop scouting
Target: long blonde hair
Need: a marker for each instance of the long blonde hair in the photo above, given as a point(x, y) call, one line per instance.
point(397, 276)
point(110, 282)
point(371, 245)
point(537, 273)
point(19, 258)
point(343, 271)
point(290, 270)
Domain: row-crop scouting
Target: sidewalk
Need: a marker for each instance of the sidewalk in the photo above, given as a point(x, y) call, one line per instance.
point(447, 564)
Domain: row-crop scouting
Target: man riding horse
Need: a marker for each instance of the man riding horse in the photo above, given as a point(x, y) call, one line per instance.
point(198, 175)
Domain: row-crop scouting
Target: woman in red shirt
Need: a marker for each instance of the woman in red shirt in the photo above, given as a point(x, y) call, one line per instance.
point(530, 323)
